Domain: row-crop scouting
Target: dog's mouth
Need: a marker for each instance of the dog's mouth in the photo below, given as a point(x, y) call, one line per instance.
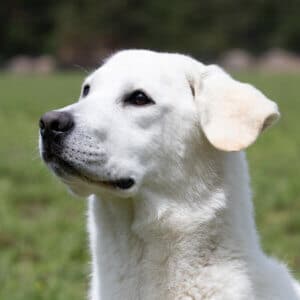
point(65, 169)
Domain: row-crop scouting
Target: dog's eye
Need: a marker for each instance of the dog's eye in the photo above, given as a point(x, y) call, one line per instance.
point(86, 90)
point(138, 98)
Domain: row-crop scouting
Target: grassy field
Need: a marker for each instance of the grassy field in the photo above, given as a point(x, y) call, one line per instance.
point(43, 242)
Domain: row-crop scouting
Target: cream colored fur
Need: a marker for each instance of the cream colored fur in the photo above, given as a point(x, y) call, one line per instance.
point(185, 230)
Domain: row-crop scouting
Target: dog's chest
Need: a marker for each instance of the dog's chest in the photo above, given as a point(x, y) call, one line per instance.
point(131, 269)
point(145, 277)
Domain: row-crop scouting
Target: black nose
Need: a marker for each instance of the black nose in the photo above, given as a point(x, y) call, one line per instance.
point(56, 122)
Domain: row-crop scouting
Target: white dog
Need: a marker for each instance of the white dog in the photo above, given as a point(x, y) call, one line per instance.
point(155, 141)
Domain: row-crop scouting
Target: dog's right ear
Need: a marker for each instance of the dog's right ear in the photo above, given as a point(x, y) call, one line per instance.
point(232, 114)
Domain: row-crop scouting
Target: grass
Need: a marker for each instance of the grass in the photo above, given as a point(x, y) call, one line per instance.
point(43, 240)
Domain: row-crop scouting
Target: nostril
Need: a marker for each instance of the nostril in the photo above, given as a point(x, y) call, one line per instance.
point(55, 126)
point(41, 124)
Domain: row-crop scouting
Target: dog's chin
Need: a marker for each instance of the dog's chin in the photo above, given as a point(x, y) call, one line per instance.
point(82, 183)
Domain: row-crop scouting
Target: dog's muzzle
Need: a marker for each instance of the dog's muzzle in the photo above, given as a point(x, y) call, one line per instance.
point(54, 128)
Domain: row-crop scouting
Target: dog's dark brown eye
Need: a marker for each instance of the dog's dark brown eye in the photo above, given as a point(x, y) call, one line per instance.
point(86, 90)
point(138, 98)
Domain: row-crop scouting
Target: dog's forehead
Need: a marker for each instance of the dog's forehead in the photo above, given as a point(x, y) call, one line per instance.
point(147, 59)
point(142, 66)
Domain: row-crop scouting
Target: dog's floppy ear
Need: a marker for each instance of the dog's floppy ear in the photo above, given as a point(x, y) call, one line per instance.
point(232, 113)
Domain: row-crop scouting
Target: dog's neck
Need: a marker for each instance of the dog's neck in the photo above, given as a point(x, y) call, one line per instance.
point(161, 244)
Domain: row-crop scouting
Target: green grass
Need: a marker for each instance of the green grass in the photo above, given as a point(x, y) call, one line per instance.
point(43, 242)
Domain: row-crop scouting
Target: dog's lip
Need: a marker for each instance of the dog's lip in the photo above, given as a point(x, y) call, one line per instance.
point(64, 167)
point(122, 183)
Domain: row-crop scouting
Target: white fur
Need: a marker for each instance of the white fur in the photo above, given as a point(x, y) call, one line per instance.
point(185, 230)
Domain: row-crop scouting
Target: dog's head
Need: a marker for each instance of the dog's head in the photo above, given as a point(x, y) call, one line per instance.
point(142, 116)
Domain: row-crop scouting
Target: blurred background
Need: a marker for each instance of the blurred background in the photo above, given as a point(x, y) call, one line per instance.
point(48, 47)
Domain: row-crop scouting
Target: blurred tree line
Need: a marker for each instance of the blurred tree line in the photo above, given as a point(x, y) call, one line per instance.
point(82, 29)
